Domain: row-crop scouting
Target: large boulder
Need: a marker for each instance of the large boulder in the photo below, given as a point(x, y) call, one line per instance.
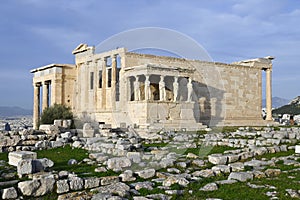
point(37, 187)
point(118, 163)
point(7, 141)
point(25, 167)
point(240, 176)
point(120, 189)
point(29, 166)
point(209, 187)
point(218, 159)
point(76, 183)
point(88, 130)
point(91, 182)
point(49, 129)
point(15, 157)
point(42, 164)
point(147, 173)
point(9, 193)
point(62, 186)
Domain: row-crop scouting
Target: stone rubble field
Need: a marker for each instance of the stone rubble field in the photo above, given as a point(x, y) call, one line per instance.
point(164, 165)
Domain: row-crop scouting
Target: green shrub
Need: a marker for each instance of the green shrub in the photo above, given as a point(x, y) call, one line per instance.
point(57, 111)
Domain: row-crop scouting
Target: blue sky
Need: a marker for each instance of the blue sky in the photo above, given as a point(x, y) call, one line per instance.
point(38, 32)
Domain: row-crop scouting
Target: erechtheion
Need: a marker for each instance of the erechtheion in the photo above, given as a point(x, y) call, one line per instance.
point(124, 88)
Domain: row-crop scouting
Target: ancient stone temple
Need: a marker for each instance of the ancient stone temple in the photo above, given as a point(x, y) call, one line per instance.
point(124, 88)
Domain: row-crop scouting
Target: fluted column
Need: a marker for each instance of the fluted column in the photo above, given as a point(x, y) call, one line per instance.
point(175, 89)
point(113, 80)
point(147, 88)
point(104, 83)
point(269, 94)
point(162, 89)
point(36, 105)
point(45, 103)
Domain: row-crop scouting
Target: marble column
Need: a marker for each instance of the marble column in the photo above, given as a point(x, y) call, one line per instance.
point(45, 103)
point(162, 89)
point(113, 80)
point(103, 98)
point(269, 94)
point(175, 89)
point(147, 88)
point(137, 93)
point(36, 105)
point(190, 90)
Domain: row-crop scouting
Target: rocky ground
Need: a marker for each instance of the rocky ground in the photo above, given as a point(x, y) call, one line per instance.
point(163, 165)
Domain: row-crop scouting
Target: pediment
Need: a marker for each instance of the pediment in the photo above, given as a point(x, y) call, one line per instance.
point(80, 48)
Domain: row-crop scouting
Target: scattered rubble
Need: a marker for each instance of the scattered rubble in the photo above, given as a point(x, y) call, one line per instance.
point(145, 163)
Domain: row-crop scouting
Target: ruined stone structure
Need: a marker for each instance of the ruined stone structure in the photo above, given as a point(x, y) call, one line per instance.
point(152, 92)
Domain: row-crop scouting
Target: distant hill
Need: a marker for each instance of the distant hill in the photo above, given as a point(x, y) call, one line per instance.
point(6, 111)
point(276, 102)
point(293, 107)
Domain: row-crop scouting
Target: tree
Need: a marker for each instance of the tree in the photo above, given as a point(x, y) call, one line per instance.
point(57, 111)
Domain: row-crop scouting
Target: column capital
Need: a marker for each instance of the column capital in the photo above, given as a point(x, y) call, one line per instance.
point(47, 82)
point(38, 84)
point(113, 56)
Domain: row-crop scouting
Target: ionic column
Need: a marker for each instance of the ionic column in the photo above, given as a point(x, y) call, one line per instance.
point(137, 93)
point(162, 89)
point(269, 94)
point(104, 84)
point(190, 90)
point(175, 88)
point(45, 103)
point(113, 80)
point(36, 105)
point(147, 88)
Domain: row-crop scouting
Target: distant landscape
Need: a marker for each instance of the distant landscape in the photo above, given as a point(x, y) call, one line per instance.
point(276, 102)
point(11, 111)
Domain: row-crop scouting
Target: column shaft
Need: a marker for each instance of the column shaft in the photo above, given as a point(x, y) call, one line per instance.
point(113, 80)
point(175, 89)
point(45, 103)
point(104, 84)
point(137, 89)
point(147, 88)
point(36, 105)
point(268, 94)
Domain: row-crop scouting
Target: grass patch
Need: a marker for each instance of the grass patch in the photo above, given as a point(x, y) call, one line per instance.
point(225, 129)
point(145, 192)
point(60, 156)
point(227, 192)
point(4, 156)
point(277, 154)
point(154, 145)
